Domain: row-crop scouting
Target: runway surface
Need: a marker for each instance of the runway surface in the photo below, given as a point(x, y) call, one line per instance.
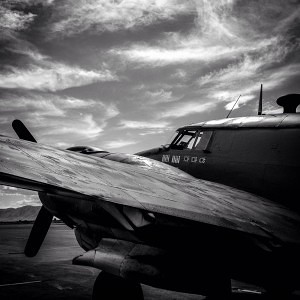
point(51, 275)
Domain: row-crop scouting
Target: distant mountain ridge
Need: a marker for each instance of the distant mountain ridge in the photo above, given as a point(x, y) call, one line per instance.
point(24, 213)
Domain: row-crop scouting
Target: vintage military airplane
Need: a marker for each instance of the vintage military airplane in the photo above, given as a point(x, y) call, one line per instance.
point(144, 221)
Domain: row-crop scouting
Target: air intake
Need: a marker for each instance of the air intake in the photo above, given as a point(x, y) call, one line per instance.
point(289, 103)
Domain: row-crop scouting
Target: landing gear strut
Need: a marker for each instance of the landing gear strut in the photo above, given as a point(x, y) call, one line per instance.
point(110, 287)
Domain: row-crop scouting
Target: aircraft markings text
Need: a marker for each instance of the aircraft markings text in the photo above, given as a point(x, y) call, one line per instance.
point(165, 158)
point(176, 159)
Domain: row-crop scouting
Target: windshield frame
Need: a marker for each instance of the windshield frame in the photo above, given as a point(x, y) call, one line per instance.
point(181, 134)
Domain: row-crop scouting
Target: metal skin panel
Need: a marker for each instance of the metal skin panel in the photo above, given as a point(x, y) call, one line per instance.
point(263, 121)
point(262, 161)
point(151, 187)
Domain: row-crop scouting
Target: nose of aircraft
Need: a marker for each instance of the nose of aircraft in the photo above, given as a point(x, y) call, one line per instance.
point(153, 151)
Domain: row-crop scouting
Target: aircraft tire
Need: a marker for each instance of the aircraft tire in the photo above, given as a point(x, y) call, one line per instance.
point(111, 287)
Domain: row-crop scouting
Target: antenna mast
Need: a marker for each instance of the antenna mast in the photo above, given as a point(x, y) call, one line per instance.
point(260, 101)
point(233, 106)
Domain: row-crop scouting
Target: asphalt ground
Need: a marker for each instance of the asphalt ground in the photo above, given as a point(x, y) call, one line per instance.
point(51, 275)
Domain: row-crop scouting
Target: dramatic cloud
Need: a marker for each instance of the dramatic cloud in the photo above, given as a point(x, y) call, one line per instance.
point(57, 116)
point(244, 76)
point(185, 109)
point(282, 75)
point(102, 15)
point(236, 103)
point(146, 128)
point(244, 53)
point(159, 96)
point(52, 78)
point(189, 50)
point(46, 75)
point(143, 125)
point(119, 144)
point(215, 17)
point(12, 21)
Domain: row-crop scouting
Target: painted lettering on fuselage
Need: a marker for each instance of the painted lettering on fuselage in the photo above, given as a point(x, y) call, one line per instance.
point(194, 159)
point(165, 158)
point(175, 159)
point(202, 160)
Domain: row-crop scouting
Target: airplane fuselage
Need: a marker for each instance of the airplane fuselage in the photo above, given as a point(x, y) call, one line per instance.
point(256, 154)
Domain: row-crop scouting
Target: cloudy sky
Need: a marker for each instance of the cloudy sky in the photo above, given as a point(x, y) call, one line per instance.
point(123, 75)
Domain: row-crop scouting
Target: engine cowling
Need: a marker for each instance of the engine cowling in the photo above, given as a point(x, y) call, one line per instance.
point(86, 149)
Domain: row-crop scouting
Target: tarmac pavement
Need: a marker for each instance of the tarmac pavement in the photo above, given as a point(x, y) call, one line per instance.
point(51, 275)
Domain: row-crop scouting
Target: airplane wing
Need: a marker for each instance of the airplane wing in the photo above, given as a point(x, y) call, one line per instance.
point(153, 187)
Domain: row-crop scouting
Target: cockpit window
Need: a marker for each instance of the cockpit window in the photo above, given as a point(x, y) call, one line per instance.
point(171, 138)
point(198, 138)
point(185, 140)
point(204, 140)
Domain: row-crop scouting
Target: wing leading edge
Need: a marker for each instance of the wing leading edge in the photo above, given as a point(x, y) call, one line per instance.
point(43, 168)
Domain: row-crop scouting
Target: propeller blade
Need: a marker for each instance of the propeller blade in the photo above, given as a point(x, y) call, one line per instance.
point(44, 218)
point(38, 232)
point(22, 132)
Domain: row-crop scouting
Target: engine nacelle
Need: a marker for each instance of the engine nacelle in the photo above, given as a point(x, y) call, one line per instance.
point(86, 149)
point(154, 266)
point(85, 240)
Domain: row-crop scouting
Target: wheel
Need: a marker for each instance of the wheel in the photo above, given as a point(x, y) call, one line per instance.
point(111, 287)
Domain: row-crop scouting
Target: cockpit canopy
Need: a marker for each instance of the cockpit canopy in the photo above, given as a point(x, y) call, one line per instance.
point(191, 139)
